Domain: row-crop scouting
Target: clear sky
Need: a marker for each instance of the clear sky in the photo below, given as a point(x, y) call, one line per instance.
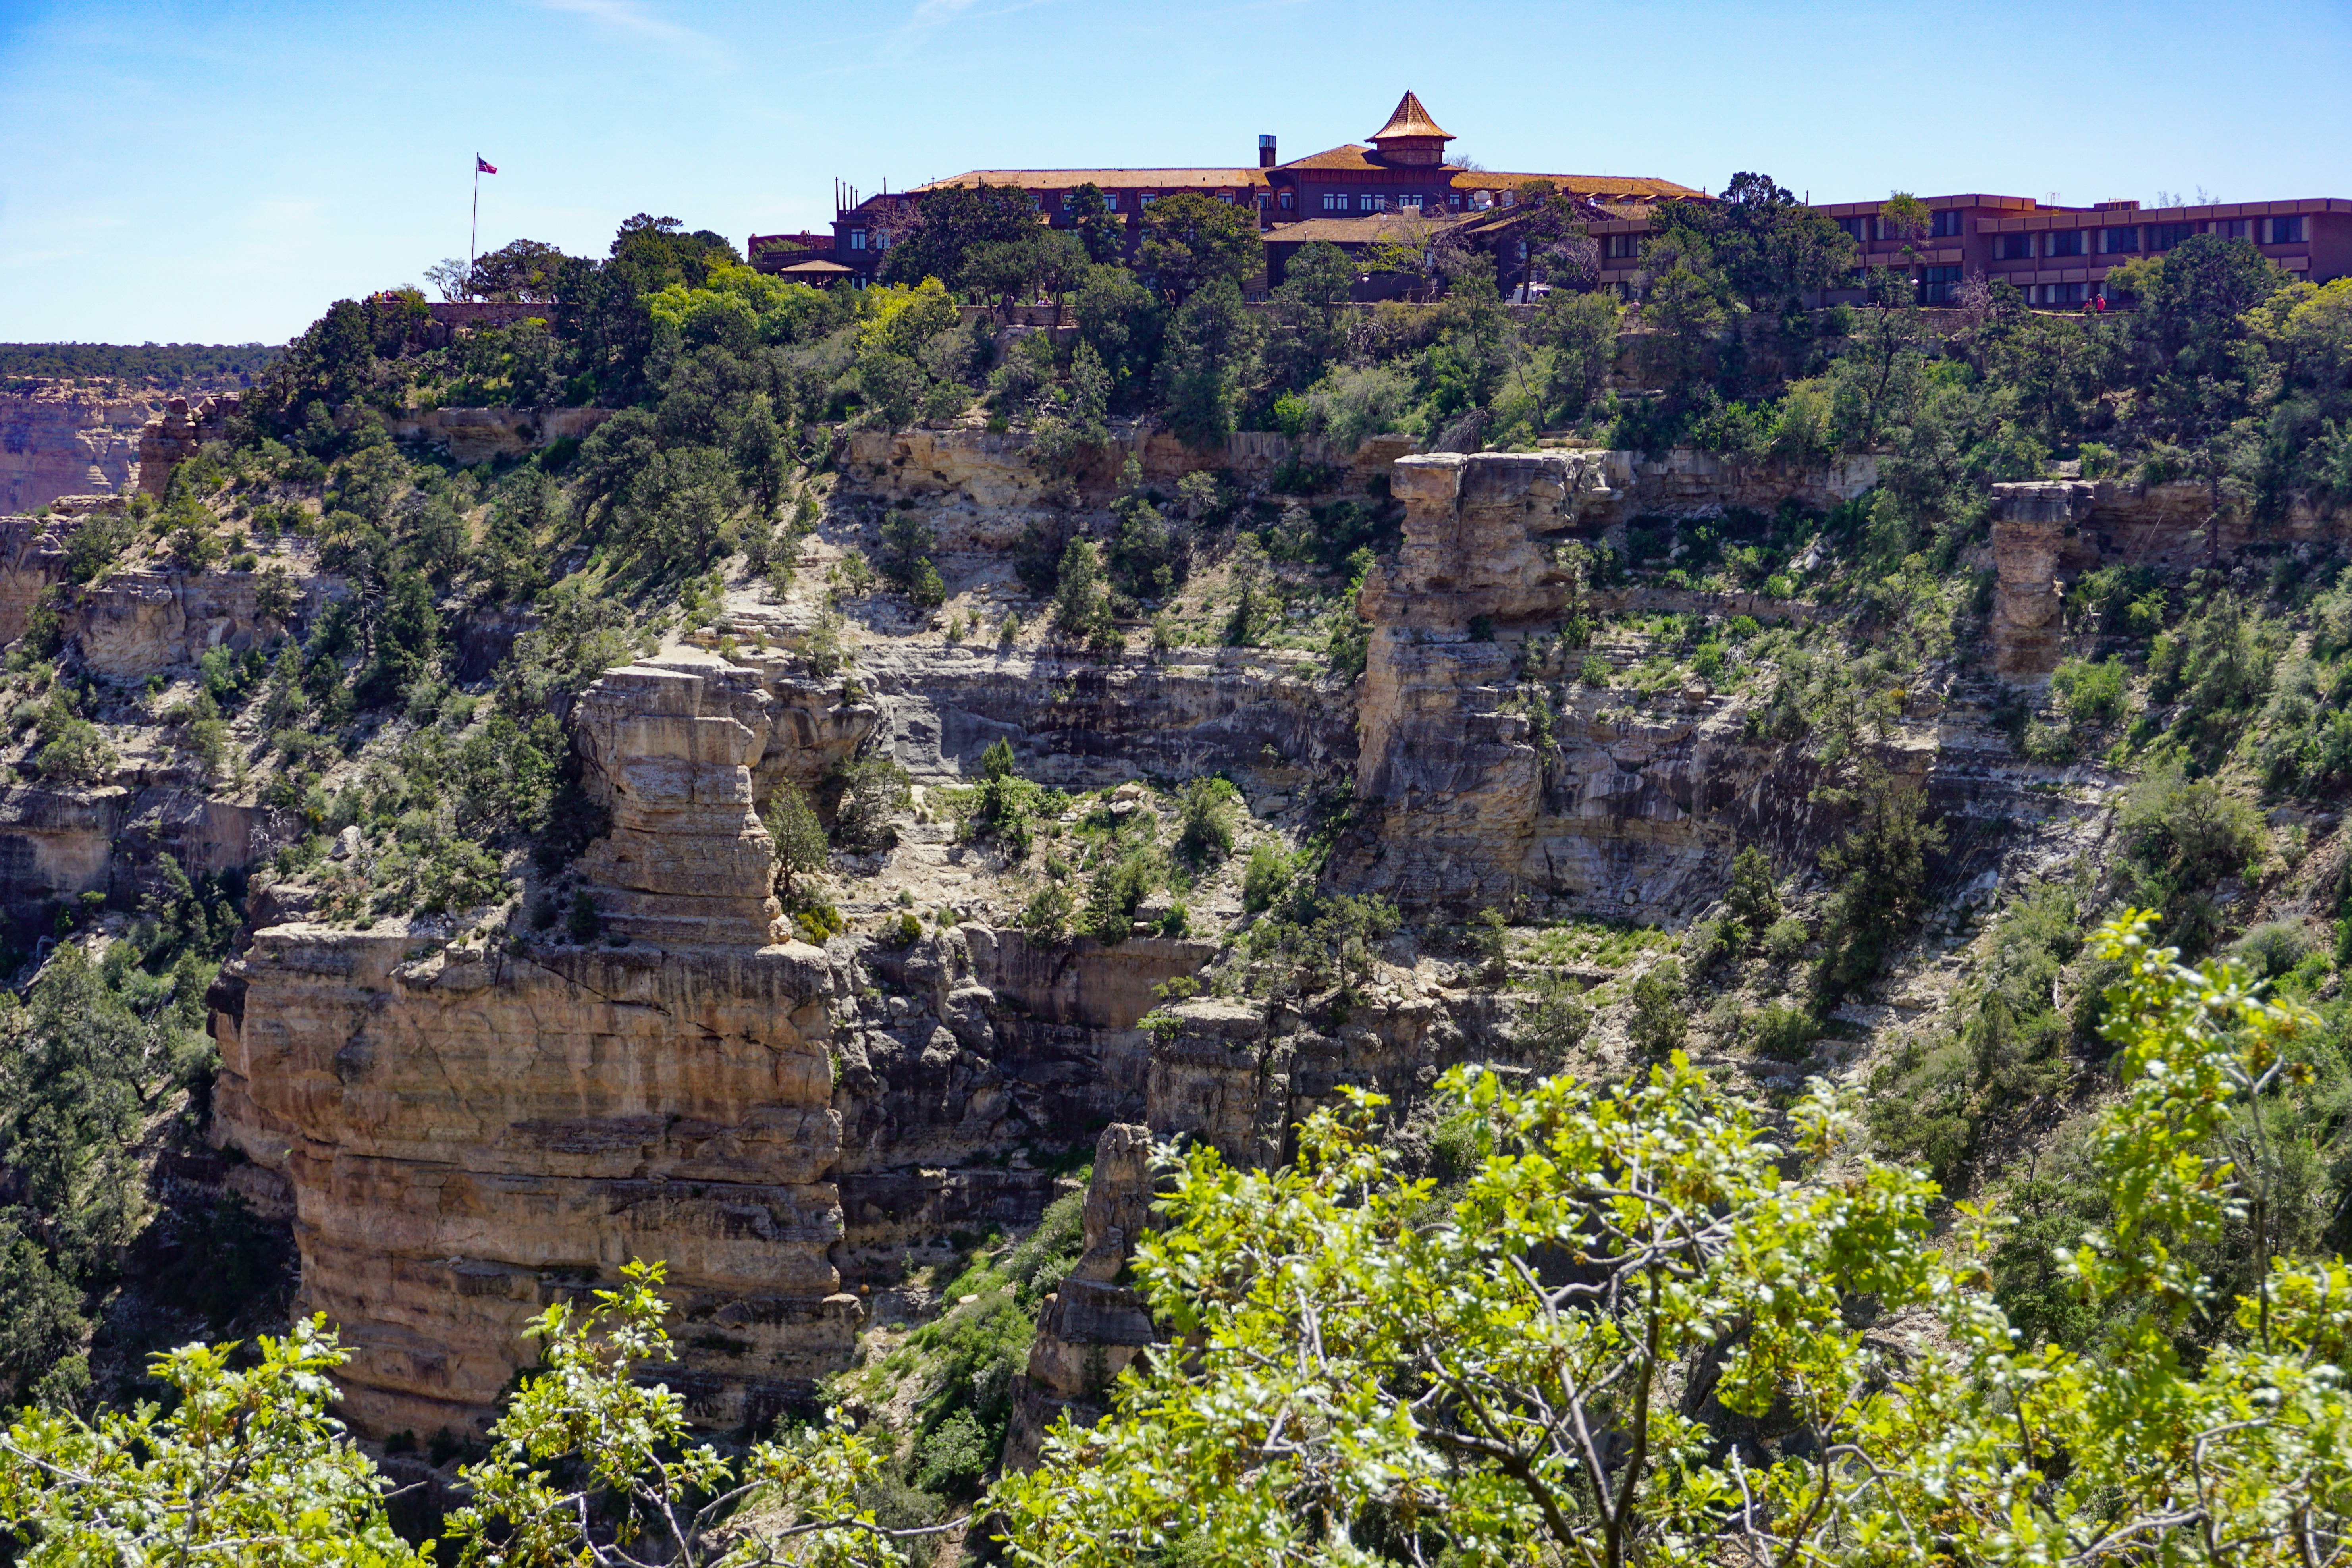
point(220, 171)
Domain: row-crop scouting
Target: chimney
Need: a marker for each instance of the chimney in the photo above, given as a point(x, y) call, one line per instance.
point(1266, 152)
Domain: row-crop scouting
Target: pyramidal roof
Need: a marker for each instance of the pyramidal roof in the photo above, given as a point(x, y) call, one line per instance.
point(1410, 120)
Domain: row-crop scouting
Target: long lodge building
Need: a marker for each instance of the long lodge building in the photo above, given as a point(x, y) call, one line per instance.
point(1356, 195)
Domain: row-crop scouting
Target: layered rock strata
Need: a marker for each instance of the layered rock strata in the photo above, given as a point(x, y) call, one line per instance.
point(468, 1134)
point(58, 441)
point(471, 1136)
point(1091, 1327)
point(1615, 812)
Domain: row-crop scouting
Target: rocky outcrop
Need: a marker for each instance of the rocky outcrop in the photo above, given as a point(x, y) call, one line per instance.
point(997, 471)
point(175, 435)
point(61, 440)
point(479, 435)
point(131, 624)
point(32, 561)
point(1091, 1327)
point(469, 1135)
point(1474, 810)
point(668, 748)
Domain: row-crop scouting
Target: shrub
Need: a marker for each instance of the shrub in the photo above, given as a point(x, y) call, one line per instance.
point(867, 793)
point(1659, 1022)
point(1751, 900)
point(1116, 891)
point(1046, 918)
point(2273, 948)
point(2092, 693)
point(1785, 1033)
point(582, 923)
point(1594, 671)
point(1785, 941)
point(1205, 816)
point(1556, 1020)
point(801, 850)
point(78, 754)
point(1266, 877)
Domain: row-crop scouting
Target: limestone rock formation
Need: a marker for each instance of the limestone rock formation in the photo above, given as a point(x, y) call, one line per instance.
point(174, 436)
point(60, 440)
point(132, 625)
point(1091, 1327)
point(669, 747)
point(469, 1137)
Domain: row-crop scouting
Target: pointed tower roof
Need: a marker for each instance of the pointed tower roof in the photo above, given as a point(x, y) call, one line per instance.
point(1410, 120)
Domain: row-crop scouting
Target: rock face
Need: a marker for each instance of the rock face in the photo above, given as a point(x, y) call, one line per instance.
point(469, 1135)
point(478, 434)
point(1091, 1327)
point(669, 749)
point(996, 470)
point(473, 1136)
point(174, 435)
point(132, 625)
point(62, 441)
point(1611, 812)
point(2045, 534)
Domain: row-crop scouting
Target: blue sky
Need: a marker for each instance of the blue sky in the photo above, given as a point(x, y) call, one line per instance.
point(218, 172)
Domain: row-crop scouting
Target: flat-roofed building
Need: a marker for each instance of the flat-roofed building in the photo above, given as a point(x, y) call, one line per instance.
point(2057, 257)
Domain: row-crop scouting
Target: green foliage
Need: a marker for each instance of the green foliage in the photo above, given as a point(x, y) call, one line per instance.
point(2182, 836)
point(2006, 1045)
point(866, 794)
point(1880, 869)
point(247, 1461)
point(1705, 1237)
point(1659, 1020)
point(1193, 242)
point(1751, 900)
point(1267, 876)
point(1045, 919)
point(2092, 693)
point(587, 1452)
point(1082, 607)
point(1205, 819)
point(802, 848)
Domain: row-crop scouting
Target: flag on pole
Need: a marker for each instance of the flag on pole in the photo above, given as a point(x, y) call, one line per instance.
point(482, 166)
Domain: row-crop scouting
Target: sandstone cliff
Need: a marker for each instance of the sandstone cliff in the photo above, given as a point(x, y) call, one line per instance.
point(63, 441)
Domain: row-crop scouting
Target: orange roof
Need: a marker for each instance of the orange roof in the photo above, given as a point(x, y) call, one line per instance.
point(1410, 120)
point(1575, 185)
point(1366, 230)
point(1109, 179)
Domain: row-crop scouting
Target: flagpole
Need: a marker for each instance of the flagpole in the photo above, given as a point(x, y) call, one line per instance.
point(473, 235)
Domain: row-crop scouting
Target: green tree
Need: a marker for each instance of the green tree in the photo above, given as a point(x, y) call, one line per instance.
point(1880, 869)
point(1191, 241)
point(248, 1468)
point(1581, 329)
point(801, 849)
point(1212, 352)
point(1082, 608)
point(950, 223)
point(1751, 900)
point(1773, 248)
point(1370, 1372)
point(1660, 1019)
point(1102, 231)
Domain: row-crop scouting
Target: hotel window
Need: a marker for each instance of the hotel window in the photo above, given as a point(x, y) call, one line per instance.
point(1410, 199)
point(1938, 285)
point(1623, 247)
point(2065, 242)
point(1335, 201)
point(2286, 231)
point(1453, 200)
point(2016, 247)
point(2233, 229)
point(1853, 228)
point(1285, 201)
point(1372, 204)
point(2113, 241)
point(1944, 225)
point(1110, 201)
point(1146, 199)
point(2169, 235)
point(857, 239)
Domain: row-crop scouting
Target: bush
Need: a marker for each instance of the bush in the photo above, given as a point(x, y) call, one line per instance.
point(2181, 836)
point(866, 795)
point(1785, 1033)
point(1205, 814)
point(78, 754)
point(1659, 1022)
point(1556, 1020)
point(1594, 671)
point(1118, 890)
point(1751, 900)
point(1785, 941)
point(2273, 948)
point(2092, 693)
point(582, 923)
point(1267, 877)
point(1046, 918)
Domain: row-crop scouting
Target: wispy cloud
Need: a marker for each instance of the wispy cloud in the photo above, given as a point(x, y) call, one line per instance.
point(636, 21)
point(930, 16)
